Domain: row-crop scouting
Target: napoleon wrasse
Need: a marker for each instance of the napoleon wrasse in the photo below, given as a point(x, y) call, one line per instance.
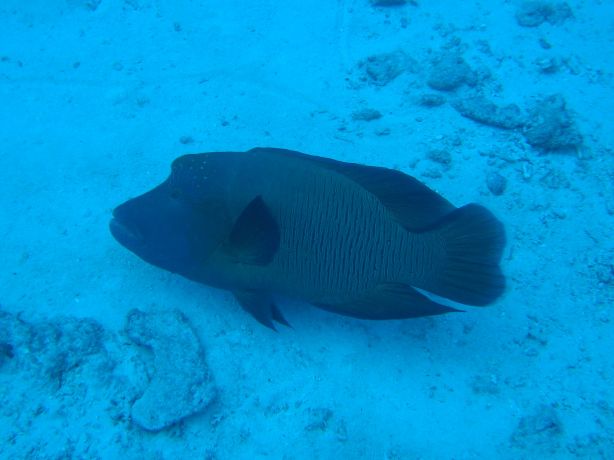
point(362, 241)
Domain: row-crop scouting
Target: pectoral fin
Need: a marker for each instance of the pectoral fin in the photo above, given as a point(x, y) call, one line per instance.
point(254, 238)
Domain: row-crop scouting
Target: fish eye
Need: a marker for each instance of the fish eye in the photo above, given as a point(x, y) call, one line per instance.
point(175, 193)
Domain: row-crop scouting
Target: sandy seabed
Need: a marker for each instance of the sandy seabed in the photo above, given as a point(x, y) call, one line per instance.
point(503, 103)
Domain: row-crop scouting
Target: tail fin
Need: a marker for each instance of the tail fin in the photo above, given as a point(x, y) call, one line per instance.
point(474, 240)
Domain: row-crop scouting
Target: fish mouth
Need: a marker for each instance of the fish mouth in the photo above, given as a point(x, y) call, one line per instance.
point(126, 235)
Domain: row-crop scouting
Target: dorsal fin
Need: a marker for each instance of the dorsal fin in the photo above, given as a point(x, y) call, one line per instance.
point(414, 205)
point(254, 238)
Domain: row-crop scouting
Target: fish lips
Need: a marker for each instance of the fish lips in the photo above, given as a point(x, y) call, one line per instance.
point(127, 235)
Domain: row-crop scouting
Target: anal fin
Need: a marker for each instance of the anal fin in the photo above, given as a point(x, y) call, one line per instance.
point(389, 301)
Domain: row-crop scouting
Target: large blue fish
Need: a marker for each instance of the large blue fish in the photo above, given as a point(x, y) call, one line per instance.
point(361, 241)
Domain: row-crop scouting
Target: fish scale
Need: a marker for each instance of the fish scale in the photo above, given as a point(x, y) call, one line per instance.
point(335, 262)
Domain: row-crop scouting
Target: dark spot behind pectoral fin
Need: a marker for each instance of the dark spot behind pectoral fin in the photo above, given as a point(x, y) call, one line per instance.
point(389, 301)
point(254, 238)
point(261, 307)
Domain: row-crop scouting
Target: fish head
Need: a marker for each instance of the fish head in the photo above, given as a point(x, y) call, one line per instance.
point(178, 224)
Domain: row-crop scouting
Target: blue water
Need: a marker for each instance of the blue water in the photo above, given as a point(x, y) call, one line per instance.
point(507, 104)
